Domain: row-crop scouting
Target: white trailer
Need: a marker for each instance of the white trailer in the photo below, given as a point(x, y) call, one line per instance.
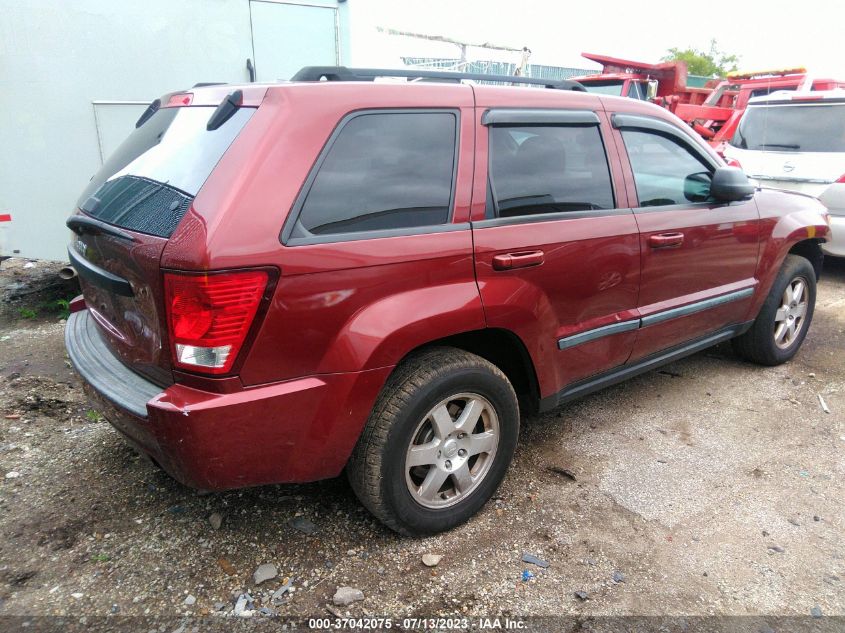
point(75, 76)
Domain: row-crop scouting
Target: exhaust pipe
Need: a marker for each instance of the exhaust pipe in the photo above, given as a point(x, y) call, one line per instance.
point(67, 273)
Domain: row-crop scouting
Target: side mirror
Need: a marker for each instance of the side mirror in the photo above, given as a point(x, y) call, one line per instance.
point(651, 92)
point(730, 184)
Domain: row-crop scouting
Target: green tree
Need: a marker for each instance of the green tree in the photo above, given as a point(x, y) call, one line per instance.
point(712, 63)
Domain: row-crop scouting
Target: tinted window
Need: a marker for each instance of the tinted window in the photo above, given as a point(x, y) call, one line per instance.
point(604, 87)
point(548, 170)
point(149, 181)
point(383, 171)
point(666, 172)
point(792, 128)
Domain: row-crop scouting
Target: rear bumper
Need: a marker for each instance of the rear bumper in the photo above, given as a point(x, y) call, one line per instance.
point(293, 431)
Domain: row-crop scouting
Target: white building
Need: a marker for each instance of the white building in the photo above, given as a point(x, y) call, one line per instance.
point(76, 75)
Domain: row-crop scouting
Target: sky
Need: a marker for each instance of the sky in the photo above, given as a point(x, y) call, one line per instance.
point(765, 34)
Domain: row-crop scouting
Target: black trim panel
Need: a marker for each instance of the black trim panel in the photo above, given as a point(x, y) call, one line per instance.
point(624, 372)
point(698, 306)
point(101, 369)
point(597, 333)
point(80, 224)
point(652, 319)
point(373, 235)
point(99, 277)
point(549, 217)
point(525, 116)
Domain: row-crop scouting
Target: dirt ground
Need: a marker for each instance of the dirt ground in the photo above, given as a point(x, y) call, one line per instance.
point(710, 487)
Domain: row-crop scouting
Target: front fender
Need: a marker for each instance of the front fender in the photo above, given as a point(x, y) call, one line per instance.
point(786, 219)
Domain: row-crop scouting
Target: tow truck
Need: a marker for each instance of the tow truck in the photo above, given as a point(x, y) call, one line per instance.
point(718, 117)
point(713, 107)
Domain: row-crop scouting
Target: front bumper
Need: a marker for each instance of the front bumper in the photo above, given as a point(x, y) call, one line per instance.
point(835, 245)
point(293, 431)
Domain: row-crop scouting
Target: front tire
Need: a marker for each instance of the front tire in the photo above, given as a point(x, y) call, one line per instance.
point(784, 319)
point(438, 442)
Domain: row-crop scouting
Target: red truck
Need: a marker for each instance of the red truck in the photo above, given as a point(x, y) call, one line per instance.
point(718, 117)
point(713, 108)
point(285, 281)
point(666, 83)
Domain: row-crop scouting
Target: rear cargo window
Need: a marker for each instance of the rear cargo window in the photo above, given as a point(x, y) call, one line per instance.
point(383, 171)
point(149, 182)
point(792, 128)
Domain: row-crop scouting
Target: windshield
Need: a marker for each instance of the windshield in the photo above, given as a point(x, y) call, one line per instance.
point(613, 87)
point(792, 128)
point(148, 183)
point(638, 90)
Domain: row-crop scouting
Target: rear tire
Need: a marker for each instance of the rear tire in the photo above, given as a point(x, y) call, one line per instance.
point(438, 442)
point(784, 319)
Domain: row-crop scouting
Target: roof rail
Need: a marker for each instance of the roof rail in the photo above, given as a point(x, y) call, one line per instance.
point(342, 73)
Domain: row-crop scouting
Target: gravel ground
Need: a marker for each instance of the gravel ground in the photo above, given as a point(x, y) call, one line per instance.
point(710, 487)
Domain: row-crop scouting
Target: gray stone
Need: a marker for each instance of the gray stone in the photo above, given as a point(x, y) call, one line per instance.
point(816, 611)
point(347, 595)
point(190, 601)
point(581, 595)
point(530, 558)
point(304, 525)
point(618, 577)
point(216, 520)
point(265, 572)
point(431, 560)
point(243, 606)
point(279, 594)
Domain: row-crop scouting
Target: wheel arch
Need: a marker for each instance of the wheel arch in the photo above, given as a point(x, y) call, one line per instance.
point(811, 250)
point(506, 351)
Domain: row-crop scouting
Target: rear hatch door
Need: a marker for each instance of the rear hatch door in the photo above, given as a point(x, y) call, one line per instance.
point(125, 217)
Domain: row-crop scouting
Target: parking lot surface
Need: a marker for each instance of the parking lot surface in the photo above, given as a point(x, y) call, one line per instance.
point(711, 486)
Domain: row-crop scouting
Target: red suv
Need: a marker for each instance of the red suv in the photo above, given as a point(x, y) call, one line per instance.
point(284, 281)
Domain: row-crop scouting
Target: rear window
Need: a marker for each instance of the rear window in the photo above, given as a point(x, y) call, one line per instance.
point(150, 180)
point(554, 169)
point(383, 171)
point(792, 128)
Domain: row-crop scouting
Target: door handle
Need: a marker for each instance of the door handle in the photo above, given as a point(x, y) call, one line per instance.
point(522, 259)
point(250, 69)
point(666, 240)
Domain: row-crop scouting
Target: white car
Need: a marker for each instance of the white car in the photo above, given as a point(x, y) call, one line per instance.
point(796, 141)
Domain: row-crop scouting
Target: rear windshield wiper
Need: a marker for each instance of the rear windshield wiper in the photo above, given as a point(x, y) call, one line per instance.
point(783, 145)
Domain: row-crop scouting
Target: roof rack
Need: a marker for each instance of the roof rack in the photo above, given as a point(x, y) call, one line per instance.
point(342, 73)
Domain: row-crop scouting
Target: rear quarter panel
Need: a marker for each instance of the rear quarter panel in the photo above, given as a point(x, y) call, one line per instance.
point(343, 306)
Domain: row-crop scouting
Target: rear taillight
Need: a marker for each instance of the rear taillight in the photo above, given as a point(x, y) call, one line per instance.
point(209, 316)
point(841, 179)
point(733, 162)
